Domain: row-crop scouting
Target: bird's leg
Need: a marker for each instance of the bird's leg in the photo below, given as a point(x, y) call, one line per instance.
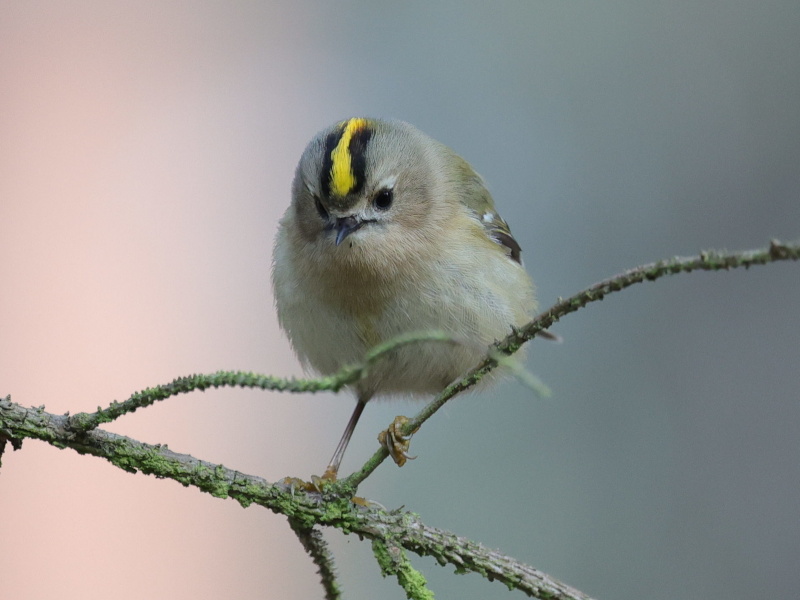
point(333, 467)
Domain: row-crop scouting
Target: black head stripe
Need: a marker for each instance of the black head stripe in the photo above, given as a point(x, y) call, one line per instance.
point(358, 151)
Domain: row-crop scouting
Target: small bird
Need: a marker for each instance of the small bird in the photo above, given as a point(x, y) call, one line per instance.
point(391, 232)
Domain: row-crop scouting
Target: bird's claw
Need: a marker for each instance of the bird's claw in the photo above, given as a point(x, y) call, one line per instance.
point(395, 442)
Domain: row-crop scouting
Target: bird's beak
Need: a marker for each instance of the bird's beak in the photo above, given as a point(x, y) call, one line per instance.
point(344, 226)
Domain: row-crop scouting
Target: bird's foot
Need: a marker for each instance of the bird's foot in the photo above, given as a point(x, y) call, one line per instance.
point(395, 442)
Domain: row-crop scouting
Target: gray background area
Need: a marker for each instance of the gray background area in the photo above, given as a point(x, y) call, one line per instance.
point(148, 152)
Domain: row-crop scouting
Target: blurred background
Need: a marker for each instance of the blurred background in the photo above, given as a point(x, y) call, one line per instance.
point(146, 155)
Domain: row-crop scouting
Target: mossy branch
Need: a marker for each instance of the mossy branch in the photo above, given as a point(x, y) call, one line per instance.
point(82, 422)
point(393, 561)
point(317, 549)
point(304, 509)
point(705, 261)
point(392, 532)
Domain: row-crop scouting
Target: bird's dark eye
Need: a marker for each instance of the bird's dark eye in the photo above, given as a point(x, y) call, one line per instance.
point(383, 199)
point(320, 209)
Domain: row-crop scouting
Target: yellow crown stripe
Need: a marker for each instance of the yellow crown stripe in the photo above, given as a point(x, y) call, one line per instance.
point(343, 180)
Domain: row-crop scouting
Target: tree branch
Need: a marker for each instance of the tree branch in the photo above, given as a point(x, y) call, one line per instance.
point(391, 532)
point(705, 261)
point(82, 422)
point(392, 560)
point(317, 548)
point(304, 509)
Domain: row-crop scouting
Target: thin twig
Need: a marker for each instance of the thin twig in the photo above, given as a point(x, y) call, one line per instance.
point(705, 261)
point(83, 422)
point(317, 548)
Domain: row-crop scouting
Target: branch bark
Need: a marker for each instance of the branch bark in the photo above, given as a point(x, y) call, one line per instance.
point(333, 505)
point(305, 509)
point(317, 549)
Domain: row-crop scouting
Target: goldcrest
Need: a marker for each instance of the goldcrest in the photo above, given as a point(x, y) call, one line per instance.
point(391, 232)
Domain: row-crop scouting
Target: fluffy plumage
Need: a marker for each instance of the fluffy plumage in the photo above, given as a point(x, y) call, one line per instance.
point(391, 232)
